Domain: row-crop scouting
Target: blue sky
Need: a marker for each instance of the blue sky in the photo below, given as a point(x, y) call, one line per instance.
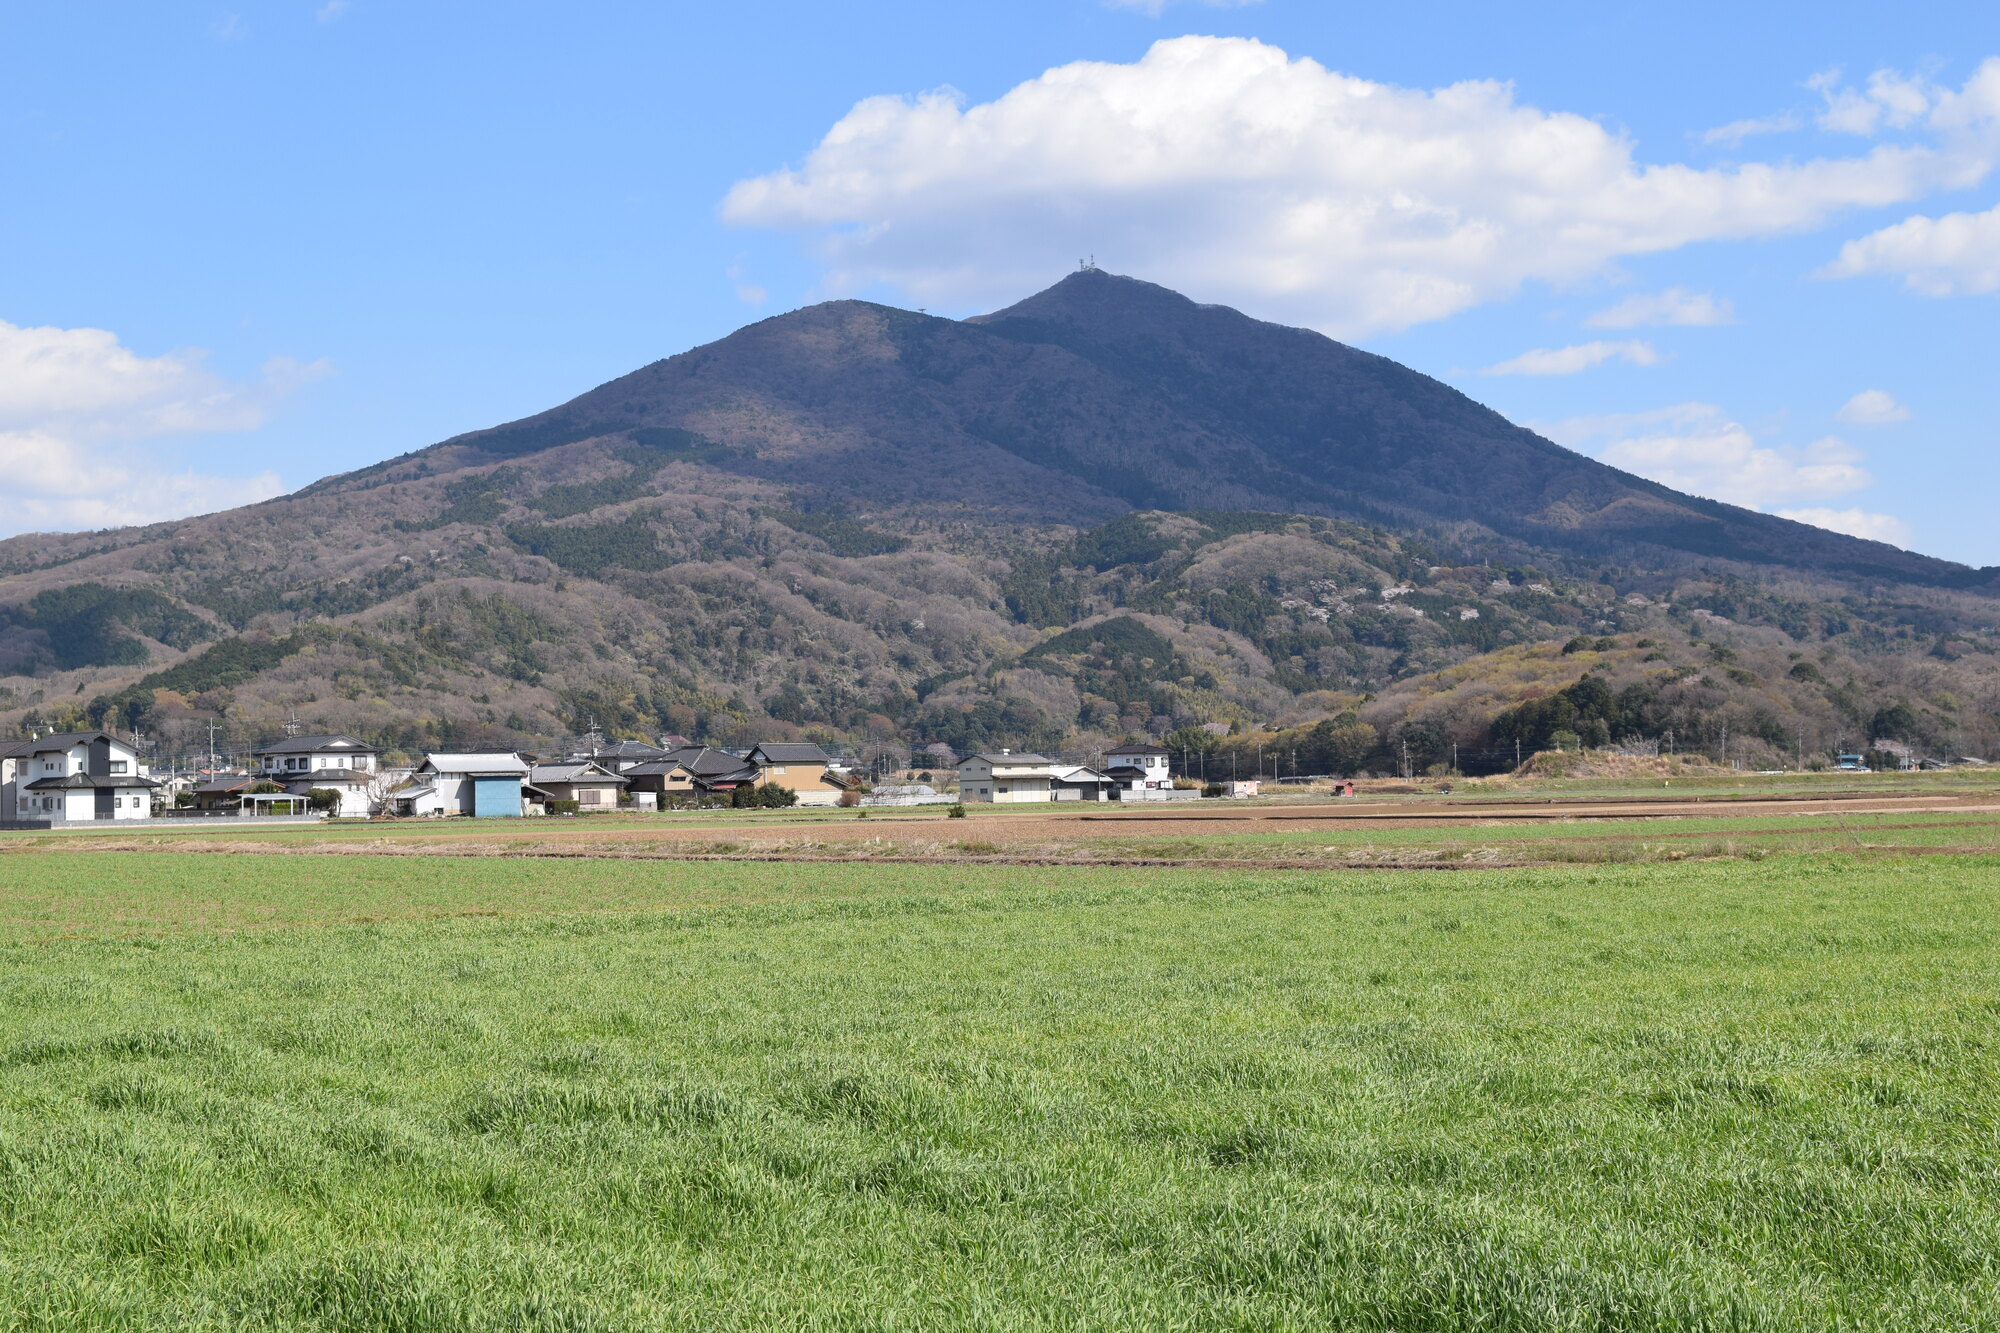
point(1751, 250)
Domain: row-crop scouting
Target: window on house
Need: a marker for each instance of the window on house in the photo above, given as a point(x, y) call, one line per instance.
point(118, 766)
point(590, 796)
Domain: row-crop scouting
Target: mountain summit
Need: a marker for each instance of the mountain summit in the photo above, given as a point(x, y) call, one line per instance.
point(1100, 507)
point(1105, 392)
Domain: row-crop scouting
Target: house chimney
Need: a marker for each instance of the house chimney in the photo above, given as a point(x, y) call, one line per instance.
point(1005, 750)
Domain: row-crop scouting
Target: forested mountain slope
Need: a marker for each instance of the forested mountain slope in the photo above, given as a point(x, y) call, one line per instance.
point(1104, 510)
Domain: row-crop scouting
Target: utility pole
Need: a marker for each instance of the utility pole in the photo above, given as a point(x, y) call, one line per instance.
point(1406, 761)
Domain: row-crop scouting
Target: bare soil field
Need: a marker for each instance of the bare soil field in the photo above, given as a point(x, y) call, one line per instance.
point(1262, 835)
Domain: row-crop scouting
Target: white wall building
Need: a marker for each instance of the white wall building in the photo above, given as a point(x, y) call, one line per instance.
point(1140, 770)
point(74, 777)
point(337, 763)
point(485, 786)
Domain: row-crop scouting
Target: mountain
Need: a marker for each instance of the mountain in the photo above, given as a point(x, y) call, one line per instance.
point(1104, 509)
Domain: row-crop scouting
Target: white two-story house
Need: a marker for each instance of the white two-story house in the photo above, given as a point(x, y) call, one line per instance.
point(338, 763)
point(74, 777)
point(1139, 770)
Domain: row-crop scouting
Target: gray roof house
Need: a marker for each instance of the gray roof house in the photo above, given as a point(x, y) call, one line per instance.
point(592, 785)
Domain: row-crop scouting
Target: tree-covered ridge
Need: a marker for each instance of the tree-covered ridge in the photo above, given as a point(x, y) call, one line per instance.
point(889, 530)
point(91, 625)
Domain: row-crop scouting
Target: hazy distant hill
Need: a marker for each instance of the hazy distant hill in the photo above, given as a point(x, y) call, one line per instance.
point(1104, 509)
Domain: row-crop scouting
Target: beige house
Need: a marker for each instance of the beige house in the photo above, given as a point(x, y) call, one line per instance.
point(799, 767)
point(1004, 777)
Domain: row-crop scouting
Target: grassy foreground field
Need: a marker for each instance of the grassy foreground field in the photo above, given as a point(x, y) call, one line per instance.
point(417, 1093)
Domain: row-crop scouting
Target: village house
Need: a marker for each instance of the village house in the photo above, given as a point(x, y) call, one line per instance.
point(799, 767)
point(74, 777)
point(1004, 777)
point(485, 786)
point(690, 773)
point(592, 785)
point(1139, 770)
point(1077, 782)
point(225, 791)
point(333, 763)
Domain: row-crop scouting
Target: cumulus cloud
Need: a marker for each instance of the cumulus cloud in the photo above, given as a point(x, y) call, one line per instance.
point(1872, 407)
point(1955, 255)
point(1695, 447)
point(82, 417)
point(1855, 523)
point(1676, 305)
point(1225, 167)
point(1570, 360)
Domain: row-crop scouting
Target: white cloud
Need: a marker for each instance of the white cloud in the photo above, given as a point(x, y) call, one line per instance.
point(1890, 101)
point(1955, 255)
point(1736, 131)
point(82, 418)
point(332, 10)
point(1855, 523)
point(1570, 360)
point(1676, 305)
point(1872, 407)
point(1224, 167)
point(1695, 447)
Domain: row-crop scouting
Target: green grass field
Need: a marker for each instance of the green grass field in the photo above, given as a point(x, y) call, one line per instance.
point(416, 1093)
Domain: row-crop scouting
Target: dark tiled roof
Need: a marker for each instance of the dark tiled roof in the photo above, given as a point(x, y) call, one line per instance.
point(312, 744)
point(1126, 771)
point(791, 753)
point(331, 775)
point(659, 768)
point(78, 781)
point(1139, 749)
point(1010, 759)
point(706, 763)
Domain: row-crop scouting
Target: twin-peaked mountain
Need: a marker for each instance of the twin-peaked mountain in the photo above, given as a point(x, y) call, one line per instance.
point(1103, 507)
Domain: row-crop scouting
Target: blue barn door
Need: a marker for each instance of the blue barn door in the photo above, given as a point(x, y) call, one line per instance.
point(496, 798)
